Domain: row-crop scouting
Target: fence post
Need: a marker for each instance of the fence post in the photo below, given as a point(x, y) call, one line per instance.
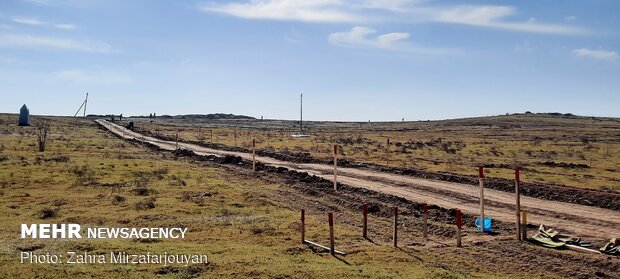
point(365, 221)
point(177, 141)
point(524, 225)
point(425, 221)
point(395, 226)
point(253, 154)
point(303, 226)
point(335, 167)
point(387, 151)
point(481, 179)
point(331, 233)
point(518, 202)
point(459, 222)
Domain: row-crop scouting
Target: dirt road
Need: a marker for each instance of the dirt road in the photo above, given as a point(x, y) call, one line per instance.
point(580, 220)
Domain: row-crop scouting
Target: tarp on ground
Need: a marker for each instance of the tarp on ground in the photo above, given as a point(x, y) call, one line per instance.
point(554, 239)
point(612, 247)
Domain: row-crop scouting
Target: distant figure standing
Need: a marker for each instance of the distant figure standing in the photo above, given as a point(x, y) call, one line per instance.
point(24, 116)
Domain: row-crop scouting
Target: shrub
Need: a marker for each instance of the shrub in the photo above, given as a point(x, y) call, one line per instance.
point(117, 199)
point(47, 213)
point(147, 203)
point(142, 191)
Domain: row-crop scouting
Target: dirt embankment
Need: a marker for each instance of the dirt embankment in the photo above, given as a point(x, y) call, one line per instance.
point(599, 198)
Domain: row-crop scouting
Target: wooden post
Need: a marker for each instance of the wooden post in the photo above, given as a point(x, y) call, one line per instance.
point(518, 203)
point(303, 226)
point(331, 233)
point(481, 179)
point(365, 221)
point(211, 141)
point(387, 151)
point(425, 221)
point(235, 136)
point(524, 225)
point(395, 236)
point(335, 167)
point(459, 222)
point(177, 141)
point(253, 154)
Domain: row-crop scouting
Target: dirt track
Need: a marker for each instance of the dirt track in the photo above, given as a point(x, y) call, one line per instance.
point(580, 220)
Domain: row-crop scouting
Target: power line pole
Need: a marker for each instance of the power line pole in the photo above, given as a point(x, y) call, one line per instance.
point(85, 103)
point(301, 113)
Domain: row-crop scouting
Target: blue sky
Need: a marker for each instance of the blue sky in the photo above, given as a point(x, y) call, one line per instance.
point(353, 60)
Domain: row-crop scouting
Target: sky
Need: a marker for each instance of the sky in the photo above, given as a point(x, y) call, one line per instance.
point(354, 60)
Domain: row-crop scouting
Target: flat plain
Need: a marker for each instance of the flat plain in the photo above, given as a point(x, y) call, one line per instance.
point(248, 223)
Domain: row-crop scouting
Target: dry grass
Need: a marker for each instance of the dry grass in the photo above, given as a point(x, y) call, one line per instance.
point(247, 226)
point(543, 145)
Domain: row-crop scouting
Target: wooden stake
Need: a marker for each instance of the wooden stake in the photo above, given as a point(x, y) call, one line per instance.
point(177, 141)
point(387, 151)
point(303, 226)
point(253, 154)
point(481, 179)
point(325, 247)
point(524, 225)
point(335, 167)
point(395, 235)
point(235, 136)
point(331, 233)
point(425, 221)
point(459, 222)
point(518, 203)
point(365, 221)
point(211, 141)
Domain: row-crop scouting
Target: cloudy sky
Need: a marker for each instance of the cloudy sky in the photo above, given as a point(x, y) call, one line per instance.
point(352, 59)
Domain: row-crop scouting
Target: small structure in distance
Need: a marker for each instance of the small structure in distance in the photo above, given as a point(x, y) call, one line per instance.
point(24, 116)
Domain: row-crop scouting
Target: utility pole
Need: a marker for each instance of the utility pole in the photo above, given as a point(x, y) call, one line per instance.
point(301, 113)
point(83, 105)
point(85, 102)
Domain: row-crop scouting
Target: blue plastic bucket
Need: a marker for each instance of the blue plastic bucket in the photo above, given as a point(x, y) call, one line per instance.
point(487, 224)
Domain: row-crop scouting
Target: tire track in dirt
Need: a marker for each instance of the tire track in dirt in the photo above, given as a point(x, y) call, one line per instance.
point(581, 220)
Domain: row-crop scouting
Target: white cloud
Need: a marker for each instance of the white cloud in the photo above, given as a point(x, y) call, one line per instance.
point(65, 26)
point(494, 17)
point(597, 54)
point(29, 21)
point(362, 37)
point(99, 78)
point(18, 40)
point(294, 10)
point(367, 11)
point(390, 5)
point(37, 22)
point(40, 2)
